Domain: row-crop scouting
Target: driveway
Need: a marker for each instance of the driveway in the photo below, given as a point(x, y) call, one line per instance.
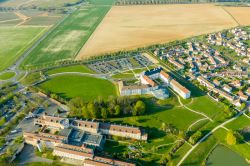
point(27, 155)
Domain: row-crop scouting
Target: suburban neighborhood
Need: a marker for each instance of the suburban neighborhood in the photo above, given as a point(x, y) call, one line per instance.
point(124, 83)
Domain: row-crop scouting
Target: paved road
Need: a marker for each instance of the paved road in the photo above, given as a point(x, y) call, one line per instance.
point(16, 65)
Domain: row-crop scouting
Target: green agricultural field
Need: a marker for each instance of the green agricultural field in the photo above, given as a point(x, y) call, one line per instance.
point(88, 88)
point(14, 41)
point(36, 3)
point(43, 21)
point(65, 41)
point(7, 75)
point(75, 68)
point(4, 16)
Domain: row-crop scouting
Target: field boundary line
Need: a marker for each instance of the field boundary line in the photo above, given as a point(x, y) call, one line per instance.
point(77, 54)
point(231, 15)
point(16, 19)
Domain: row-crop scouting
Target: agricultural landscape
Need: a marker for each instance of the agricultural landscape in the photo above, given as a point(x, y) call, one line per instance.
point(124, 82)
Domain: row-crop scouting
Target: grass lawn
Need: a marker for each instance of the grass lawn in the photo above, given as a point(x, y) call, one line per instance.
point(206, 105)
point(89, 88)
point(180, 153)
point(65, 41)
point(239, 123)
point(31, 78)
point(123, 75)
point(14, 41)
point(198, 156)
point(169, 113)
point(7, 75)
point(75, 68)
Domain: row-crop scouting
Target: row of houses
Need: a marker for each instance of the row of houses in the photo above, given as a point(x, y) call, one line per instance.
point(236, 43)
point(226, 92)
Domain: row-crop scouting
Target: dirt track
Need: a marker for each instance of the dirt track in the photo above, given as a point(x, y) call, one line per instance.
point(128, 27)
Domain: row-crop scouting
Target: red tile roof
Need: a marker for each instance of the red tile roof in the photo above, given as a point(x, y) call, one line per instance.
point(150, 82)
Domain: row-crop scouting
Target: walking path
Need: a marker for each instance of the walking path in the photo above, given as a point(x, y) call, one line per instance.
point(189, 128)
point(202, 114)
point(207, 135)
point(80, 73)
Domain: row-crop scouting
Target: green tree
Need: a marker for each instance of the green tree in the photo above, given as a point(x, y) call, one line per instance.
point(86, 113)
point(92, 110)
point(163, 126)
point(117, 110)
point(231, 139)
point(104, 113)
point(2, 121)
point(195, 137)
point(243, 105)
point(139, 108)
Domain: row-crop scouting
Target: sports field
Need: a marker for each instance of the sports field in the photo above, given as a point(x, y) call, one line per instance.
point(89, 88)
point(66, 40)
point(14, 41)
point(129, 27)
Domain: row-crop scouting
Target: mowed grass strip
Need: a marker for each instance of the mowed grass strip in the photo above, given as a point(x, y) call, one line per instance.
point(75, 68)
point(66, 40)
point(7, 75)
point(14, 41)
point(70, 86)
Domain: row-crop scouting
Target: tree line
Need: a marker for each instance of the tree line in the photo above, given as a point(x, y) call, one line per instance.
point(103, 109)
point(155, 2)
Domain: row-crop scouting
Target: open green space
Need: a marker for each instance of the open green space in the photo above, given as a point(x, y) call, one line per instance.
point(89, 88)
point(180, 153)
point(203, 150)
point(7, 16)
point(169, 112)
point(224, 156)
point(66, 40)
point(239, 123)
point(123, 75)
point(31, 78)
point(47, 4)
point(14, 41)
point(74, 68)
point(7, 75)
point(206, 105)
point(43, 21)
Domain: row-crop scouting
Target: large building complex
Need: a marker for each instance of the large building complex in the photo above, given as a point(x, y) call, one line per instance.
point(78, 139)
point(154, 82)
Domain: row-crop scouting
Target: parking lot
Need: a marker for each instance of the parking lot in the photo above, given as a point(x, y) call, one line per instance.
point(117, 65)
